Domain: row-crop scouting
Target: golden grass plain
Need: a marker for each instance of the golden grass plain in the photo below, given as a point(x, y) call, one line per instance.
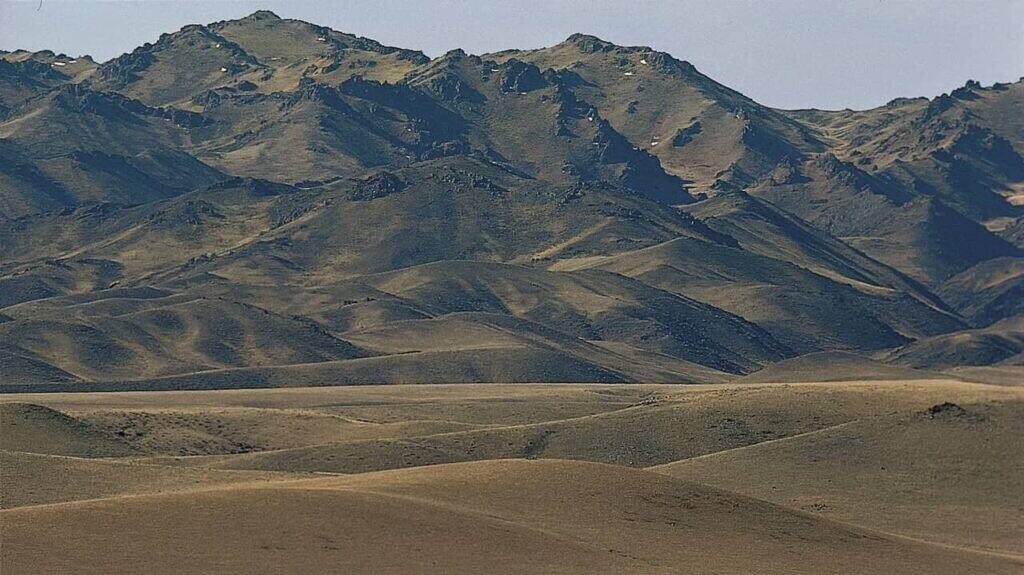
point(908, 476)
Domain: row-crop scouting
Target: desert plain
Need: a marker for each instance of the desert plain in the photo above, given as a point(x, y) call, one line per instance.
point(879, 476)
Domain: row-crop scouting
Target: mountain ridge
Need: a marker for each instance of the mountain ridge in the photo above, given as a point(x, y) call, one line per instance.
point(624, 212)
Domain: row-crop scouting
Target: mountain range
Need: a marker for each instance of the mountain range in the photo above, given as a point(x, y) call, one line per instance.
point(267, 202)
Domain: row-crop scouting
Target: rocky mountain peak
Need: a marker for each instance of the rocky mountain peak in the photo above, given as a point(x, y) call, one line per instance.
point(585, 192)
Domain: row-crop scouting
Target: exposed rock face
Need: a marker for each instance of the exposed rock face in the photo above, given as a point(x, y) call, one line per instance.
point(378, 186)
point(946, 409)
point(520, 77)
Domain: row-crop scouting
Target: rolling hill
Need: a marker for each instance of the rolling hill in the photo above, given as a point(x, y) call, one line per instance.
point(909, 476)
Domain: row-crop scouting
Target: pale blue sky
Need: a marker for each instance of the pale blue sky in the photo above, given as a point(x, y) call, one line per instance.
point(784, 53)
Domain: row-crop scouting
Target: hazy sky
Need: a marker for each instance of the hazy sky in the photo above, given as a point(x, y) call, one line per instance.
point(784, 53)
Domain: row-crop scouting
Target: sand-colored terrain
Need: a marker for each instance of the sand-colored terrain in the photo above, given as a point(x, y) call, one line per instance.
point(887, 476)
point(218, 247)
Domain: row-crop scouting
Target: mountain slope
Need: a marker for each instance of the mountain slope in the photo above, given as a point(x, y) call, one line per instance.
point(700, 130)
point(261, 199)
